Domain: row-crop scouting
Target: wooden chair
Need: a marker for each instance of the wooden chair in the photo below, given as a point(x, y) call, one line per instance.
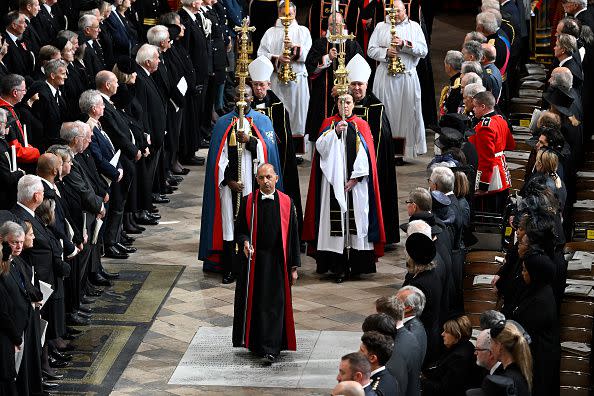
point(575, 363)
point(481, 295)
point(577, 307)
point(580, 321)
point(575, 379)
point(484, 256)
point(481, 268)
point(478, 307)
point(573, 391)
point(576, 335)
point(584, 246)
point(475, 319)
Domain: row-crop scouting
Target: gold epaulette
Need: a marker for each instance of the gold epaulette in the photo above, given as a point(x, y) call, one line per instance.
point(443, 95)
point(149, 21)
point(457, 82)
point(491, 42)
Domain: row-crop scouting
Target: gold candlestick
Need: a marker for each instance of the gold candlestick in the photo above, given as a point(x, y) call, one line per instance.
point(395, 65)
point(286, 73)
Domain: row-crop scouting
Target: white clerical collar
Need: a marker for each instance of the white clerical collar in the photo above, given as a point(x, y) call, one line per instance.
point(51, 87)
point(407, 319)
point(268, 196)
point(377, 370)
point(192, 15)
point(32, 213)
point(50, 185)
point(495, 367)
point(564, 61)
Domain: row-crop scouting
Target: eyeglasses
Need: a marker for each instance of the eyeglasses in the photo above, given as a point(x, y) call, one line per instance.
point(408, 202)
point(481, 349)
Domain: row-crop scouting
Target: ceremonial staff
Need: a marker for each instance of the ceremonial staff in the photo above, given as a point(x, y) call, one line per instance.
point(241, 71)
point(286, 73)
point(395, 65)
point(341, 82)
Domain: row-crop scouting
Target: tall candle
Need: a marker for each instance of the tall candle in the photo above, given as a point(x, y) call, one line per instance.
point(14, 158)
point(287, 5)
point(25, 135)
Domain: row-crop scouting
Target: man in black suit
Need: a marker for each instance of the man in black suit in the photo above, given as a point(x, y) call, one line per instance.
point(196, 43)
point(378, 348)
point(94, 61)
point(30, 9)
point(19, 59)
point(51, 106)
point(355, 367)
point(579, 10)
point(154, 118)
point(564, 49)
point(414, 303)
point(484, 356)
point(47, 23)
point(9, 177)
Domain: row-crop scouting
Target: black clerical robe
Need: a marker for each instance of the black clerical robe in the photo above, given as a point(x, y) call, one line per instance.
point(269, 325)
point(320, 12)
point(321, 79)
point(272, 107)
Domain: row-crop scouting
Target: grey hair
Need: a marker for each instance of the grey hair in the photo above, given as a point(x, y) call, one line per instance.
point(67, 34)
point(9, 83)
point(27, 187)
point(170, 18)
point(415, 300)
point(471, 78)
point(88, 99)
point(471, 66)
point(419, 226)
point(157, 34)
point(490, 4)
point(488, 21)
point(187, 2)
point(583, 3)
point(472, 89)
point(474, 48)
point(476, 36)
point(61, 151)
point(10, 228)
point(485, 336)
point(562, 78)
point(497, 14)
point(70, 130)
point(490, 318)
point(53, 66)
point(146, 52)
point(567, 42)
point(422, 198)
point(454, 59)
point(444, 179)
point(85, 21)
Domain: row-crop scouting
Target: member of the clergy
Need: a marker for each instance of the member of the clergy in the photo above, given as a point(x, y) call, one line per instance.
point(274, 242)
point(401, 93)
point(321, 62)
point(294, 94)
point(344, 186)
point(266, 102)
point(370, 109)
point(229, 177)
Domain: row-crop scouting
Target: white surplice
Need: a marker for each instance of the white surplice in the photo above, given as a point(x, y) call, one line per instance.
point(295, 94)
point(401, 94)
point(247, 174)
point(331, 151)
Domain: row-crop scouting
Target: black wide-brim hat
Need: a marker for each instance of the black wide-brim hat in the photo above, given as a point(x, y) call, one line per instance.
point(449, 137)
point(174, 30)
point(560, 99)
point(420, 248)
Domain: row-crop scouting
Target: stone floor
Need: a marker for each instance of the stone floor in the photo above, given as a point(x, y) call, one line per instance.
point(200, 299)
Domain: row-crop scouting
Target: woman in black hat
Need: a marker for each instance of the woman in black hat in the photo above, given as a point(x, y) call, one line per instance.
point(421, 274)
point(450, 375)
point(536, 311)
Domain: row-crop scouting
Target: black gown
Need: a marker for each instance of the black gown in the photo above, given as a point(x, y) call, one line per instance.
point(321, 102)
point(270, 322)
point(319, 13)
point(272, 107)
point(263, 15)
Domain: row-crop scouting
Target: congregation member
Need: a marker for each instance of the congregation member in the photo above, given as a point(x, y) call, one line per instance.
point(355, 367)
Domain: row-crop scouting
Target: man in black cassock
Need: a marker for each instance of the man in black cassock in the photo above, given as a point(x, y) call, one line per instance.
point(319, 14)
point(321, 62)
point(266, 102)
point(371, 109)
point(361, 19)
point(268, 327)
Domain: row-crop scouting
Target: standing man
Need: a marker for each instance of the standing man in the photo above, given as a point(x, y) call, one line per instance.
point(370, 109)
point(491, 139)
point(230, 176)
point(294, 94)
point(267, 103)
point(355, 367)
point(345, 141)
point(273, 240)
point(401, 94)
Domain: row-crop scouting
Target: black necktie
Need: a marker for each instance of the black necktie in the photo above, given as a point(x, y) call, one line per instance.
point(99, 51)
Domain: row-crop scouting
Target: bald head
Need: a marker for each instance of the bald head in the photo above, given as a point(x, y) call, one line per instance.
point(489, 53)
point(106, 82)
point(348, 388)
point(48, 166)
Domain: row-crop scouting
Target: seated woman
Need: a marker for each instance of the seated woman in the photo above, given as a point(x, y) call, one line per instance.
point(536, 311)
point(450, 374)
point(509, 347)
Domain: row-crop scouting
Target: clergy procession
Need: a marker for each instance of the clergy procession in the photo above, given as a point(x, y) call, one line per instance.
point(296, 122)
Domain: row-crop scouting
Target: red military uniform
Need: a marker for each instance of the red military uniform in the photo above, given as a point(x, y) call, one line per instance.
point(492, 137)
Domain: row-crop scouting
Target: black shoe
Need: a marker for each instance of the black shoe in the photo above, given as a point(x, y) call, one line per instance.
point(177, 178)
point(228, 278)
point(67, 348)
point(172, 182)
point(125, 249)
point(72, 330)
point(204, 143)
point(158, 200)
point(299, 160)
point(98, 280)
point(340, 278)
point(55, 363)
point(269, 358)
point(155, 216)
point(183, 171)
point(65, 357)
point(168, 190)
point(87, 300)
point(109, 275)
point(132, 230)
point(194, 161)
point(49, 386)
point(127, 240)
point(114, 253)
point(94, 292)
point(153, 210)
point(84, 315)
point(145, 220)
point(75, 320)
point(85, 309)
point(51, 377)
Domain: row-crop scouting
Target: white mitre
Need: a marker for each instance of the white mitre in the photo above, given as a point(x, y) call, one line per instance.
point(261, 69)
point(359, 69)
